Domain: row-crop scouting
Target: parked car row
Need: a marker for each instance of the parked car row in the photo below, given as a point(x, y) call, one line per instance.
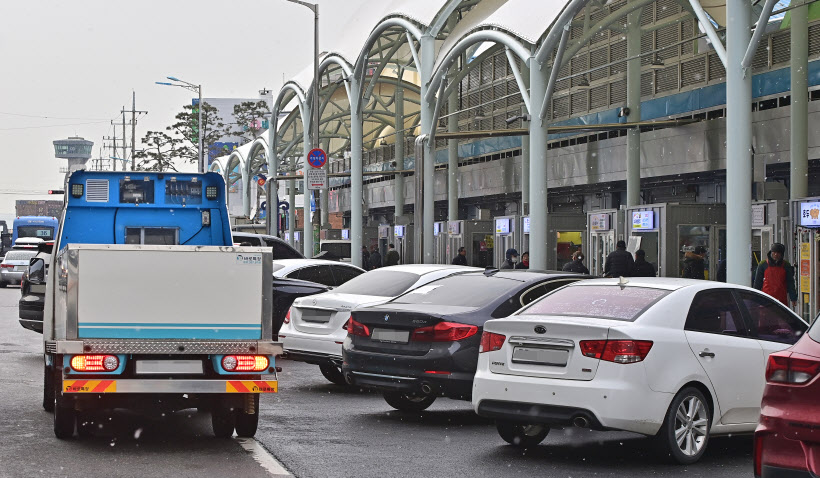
point(677, 360)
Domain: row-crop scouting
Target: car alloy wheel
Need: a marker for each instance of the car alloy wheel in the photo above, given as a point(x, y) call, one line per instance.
point(685, 432)
point(408, 402)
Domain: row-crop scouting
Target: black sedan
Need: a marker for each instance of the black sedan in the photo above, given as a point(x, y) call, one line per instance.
point(424, 344)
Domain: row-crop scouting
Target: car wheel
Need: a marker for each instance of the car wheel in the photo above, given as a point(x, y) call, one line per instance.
point(64, 416)
point(247, 423)
point(48, 388)
point(3, 285)
point(522, 435)
point(408, 403)
point(223, 419)
point(685, 431)
point(333, 373)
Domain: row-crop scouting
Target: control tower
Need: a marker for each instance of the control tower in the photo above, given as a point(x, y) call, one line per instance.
point(75, 149)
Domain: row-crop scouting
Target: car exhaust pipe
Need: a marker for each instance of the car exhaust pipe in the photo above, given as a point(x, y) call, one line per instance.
point(580, 422)
point(349, 379)
point(426, 389)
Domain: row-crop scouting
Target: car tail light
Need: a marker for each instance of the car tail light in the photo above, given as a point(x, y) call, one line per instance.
point(444, 332)
point(6, 266)
point(356, 328)
point(491, 342)
point(245, 363)
point(790, 367)
point(287, 316)
point(95, 363)
point(617, 351)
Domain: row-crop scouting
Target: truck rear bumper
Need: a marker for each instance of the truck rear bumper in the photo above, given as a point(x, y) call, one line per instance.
point(169, 386)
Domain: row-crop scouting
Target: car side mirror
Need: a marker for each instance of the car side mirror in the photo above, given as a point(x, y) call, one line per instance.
point(37, 271)
point(47, 247)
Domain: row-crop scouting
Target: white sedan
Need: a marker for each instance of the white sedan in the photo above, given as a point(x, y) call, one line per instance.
point(329, 273)
point(313, 331)
point(679, 360)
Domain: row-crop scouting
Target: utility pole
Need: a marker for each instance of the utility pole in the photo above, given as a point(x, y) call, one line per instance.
point(112, 147)
point(133, 123)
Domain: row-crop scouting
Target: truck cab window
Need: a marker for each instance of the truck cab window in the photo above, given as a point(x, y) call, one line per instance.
point(157, 236)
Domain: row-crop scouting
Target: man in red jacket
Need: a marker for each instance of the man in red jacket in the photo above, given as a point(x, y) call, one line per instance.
point(775, 276)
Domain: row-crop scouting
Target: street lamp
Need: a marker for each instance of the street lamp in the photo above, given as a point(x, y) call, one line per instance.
point(197, 89)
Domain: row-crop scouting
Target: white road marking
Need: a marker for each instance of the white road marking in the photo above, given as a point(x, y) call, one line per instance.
point(263, 457)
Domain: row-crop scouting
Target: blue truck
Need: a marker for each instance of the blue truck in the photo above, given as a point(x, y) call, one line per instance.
point(150, 306)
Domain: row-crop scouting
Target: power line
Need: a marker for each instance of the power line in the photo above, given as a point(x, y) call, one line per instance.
point(48, 117)
point(53, 125)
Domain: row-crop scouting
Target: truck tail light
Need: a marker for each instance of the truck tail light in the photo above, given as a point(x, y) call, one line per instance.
point(790, 367)
point(444, 332)
point(245, 363)
point(356, 328)
point(617, 351)
point(95, 363)
point(491, 342)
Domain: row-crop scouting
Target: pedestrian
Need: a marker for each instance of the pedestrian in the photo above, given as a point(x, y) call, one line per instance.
point(694, 265)
point(721, 273)
point(576, 264)
point(375, 258)
point(775, 276)
point(512, 259)
point(619, 262)
point(461, 258)
point(392, 257)
point(641, 268)
point(365, 259)
point(525, 261)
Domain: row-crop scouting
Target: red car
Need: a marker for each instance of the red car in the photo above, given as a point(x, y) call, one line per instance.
point(787, 440)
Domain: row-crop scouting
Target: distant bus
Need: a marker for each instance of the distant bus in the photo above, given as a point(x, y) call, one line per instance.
point(42, 227)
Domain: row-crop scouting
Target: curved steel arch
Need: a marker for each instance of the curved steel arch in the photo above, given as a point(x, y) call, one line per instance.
point(384, 25)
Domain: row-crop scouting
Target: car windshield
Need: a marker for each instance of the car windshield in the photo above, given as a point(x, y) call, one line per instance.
point(461, 290)
point(19, 255)
point(382, 283)
point(598, 301)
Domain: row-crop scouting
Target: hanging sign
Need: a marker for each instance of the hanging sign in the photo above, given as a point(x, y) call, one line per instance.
point(599, 222)
point(810, 214)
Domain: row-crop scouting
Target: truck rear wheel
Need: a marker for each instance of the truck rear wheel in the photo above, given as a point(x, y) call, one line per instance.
point(247, 423)
point(64, 416)
point(223, 419)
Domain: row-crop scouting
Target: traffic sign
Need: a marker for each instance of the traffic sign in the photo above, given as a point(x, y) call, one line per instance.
point(316, 179)
point(317, 158)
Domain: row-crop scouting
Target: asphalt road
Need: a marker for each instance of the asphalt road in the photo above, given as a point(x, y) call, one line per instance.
point(314, 429)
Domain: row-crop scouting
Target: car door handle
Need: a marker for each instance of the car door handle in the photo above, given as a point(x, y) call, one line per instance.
point(706, 354)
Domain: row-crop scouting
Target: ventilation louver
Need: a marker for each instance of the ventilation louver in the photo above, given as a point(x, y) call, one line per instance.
point(96, 190)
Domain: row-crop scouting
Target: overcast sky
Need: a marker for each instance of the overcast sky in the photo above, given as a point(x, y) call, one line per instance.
point(70, 66)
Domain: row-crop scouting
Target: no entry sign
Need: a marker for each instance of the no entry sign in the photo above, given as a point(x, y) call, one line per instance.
point(317, 158)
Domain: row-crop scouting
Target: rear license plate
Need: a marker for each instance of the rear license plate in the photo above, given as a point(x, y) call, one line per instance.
point(391, 335)
point(540, 356)
point(19, 268)
point(315, 315)
point(156, 367)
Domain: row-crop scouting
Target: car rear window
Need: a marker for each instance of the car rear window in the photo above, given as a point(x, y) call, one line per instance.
point(462, 290)
point(603, 302)
point(382, 283)
point(20, 255)
point(814, 330)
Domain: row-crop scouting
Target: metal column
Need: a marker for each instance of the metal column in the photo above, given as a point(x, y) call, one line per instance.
point(323, 209)
point(539, 77)
point(428, 57)
point(398, 179)
point(246, 189)
point(738, 143)
point(356, 183)
point(633, 102)
point(292, 205)
point(307, 224)
point(452, 156)
point(799, 176)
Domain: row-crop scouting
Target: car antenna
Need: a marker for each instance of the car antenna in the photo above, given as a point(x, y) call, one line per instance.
point(622, 282)
point(490, 270)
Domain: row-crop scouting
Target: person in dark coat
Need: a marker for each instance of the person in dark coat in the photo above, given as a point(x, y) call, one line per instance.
point(512, 259)
point(392, 257)
point(694, 265)
point(775, 276)
point(525, 261)
point(375, 258)
point(576, 264)
point(641, 268)
point(461, 258)
point(619, 262)
point(365, 259)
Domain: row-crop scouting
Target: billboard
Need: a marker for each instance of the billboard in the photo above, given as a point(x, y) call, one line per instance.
point(38, 207)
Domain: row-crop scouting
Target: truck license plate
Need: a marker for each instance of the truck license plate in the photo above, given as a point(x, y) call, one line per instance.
point(157, 367)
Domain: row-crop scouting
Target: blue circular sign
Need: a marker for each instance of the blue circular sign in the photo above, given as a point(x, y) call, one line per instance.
point(317, 158)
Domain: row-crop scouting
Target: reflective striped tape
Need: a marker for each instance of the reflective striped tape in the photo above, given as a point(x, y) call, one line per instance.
point(89, 386)
point(252, 386)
